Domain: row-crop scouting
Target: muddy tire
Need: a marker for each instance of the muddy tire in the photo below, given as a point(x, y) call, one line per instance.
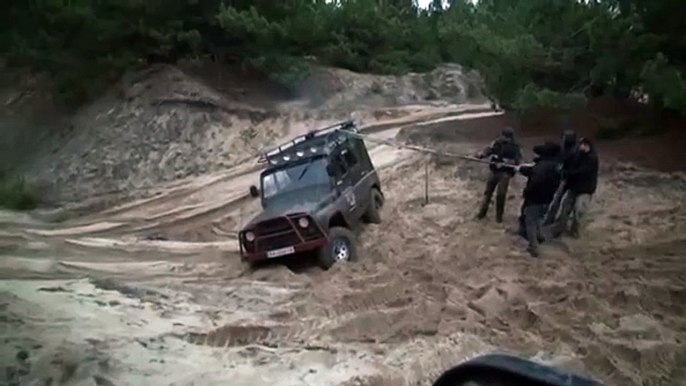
point(342, 246)
point(373, 213)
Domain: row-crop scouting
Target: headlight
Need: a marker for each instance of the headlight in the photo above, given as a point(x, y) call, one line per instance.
point(249, 236)
point(304, 222)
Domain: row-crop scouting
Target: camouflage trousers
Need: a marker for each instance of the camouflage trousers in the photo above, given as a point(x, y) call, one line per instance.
point(574, 208)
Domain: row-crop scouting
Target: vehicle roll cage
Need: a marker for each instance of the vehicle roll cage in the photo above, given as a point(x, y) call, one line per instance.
point(291, 147)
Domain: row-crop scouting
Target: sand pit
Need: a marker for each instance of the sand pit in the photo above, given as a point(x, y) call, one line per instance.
point(432, 287)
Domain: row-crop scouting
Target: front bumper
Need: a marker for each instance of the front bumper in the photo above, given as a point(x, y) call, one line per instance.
point(303, 247)
point(279, 233)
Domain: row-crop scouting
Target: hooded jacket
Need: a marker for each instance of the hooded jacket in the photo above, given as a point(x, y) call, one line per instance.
point(543, 176)
point(582, 175)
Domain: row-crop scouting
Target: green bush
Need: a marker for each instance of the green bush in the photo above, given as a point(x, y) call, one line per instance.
point(532, 97)
point(15, 194)
point(376, 88)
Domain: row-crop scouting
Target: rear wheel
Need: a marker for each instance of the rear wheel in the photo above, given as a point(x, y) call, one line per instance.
point(341, 247)
point(373, 213)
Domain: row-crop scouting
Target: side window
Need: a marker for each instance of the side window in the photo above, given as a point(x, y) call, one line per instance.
point(359, 150)
point(338, 164)
point(349, 157)
point(343, 161)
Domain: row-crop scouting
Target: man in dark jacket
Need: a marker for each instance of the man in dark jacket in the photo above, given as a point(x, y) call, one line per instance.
point(582, 182)
point(543, 179)
point(503, 151)
point(569, 149)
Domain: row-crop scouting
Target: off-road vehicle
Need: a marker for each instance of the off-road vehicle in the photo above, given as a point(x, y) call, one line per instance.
point(315, 192)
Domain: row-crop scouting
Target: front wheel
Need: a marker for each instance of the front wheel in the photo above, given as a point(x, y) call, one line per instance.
point(341, 247)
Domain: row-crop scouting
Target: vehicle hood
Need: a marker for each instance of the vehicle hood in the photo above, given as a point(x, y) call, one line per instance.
point(306, 200)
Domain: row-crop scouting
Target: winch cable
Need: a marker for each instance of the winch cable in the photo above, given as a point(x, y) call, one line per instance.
point(421, 149)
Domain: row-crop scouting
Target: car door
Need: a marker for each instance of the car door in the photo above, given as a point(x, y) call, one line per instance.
point(367, 172)
point(346, 200)
point(357, 190)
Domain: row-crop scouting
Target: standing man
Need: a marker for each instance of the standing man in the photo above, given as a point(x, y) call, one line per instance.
point(582, 182)
point(503, 151)
point(543, 179)
point(569, 149)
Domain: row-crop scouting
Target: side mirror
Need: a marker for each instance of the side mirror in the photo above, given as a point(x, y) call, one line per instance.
point(254, 191)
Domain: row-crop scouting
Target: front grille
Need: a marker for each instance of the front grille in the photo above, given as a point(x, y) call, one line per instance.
point(270, 227)
point(274, 234)
point(279, 240)
point(282, 232)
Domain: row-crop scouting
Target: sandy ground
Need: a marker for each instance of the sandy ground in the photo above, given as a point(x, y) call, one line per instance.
point(152, 292)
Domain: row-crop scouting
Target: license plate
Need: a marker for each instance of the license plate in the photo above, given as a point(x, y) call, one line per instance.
point(280, 252)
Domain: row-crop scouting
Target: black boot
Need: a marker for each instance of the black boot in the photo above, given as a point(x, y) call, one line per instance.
point(483, 210)
point(533, 251)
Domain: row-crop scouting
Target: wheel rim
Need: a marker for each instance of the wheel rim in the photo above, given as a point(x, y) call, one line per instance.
point(341, 250)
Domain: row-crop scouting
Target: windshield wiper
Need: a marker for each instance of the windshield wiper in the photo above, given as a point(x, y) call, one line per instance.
point(305, 170)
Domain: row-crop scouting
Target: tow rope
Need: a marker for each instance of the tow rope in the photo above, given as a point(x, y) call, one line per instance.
point(422, 149)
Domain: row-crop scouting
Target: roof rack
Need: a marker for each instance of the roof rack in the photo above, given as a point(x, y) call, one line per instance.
point(265, 155)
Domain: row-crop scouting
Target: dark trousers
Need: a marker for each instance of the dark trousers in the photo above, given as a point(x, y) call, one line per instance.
point(500, 181)
point(530, 222)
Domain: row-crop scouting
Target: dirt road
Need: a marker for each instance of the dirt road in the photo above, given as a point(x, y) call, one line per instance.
point(152, 292)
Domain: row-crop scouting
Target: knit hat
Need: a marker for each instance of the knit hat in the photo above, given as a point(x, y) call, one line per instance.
point(508, 132)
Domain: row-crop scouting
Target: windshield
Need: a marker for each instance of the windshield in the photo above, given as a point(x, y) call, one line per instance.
point(295, 177)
